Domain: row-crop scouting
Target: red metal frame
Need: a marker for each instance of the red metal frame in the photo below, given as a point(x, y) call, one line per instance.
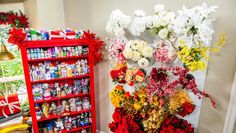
point(53, 43)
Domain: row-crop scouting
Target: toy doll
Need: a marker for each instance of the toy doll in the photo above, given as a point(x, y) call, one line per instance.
point(86, 103)
point(78, 104)
point(53, 108)
point(59, 124)
point(39, 113)
point(37, 91)
point(72, 104)
point(45, 108)
point(47, 92)
point(58, 89)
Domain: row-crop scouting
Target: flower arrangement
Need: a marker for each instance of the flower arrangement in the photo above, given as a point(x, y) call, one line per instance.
point(161, 98)
point(97, 43)
point(138, 51)
point(14, 19)
point(122, 74)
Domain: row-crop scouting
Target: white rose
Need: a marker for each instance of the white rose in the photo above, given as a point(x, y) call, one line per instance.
point(128, 53)
point(141, 45)
point(147, 52)
point(156, 21)
point(139, 13)
point(163, 33)
point(158, 8)
point(164, 21)
point(136, 56)
point(143, 62)
point(134, 44)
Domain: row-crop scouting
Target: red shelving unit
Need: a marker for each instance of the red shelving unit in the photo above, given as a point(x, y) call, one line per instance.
point(27, 62)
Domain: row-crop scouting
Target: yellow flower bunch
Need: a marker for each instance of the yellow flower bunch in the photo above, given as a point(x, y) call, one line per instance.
point(117, 96)
point(177, 99)
point(153, 123)
point(140, 98)
point(193, 58)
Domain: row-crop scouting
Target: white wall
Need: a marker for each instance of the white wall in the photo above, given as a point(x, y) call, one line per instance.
point(12, 6)
point(93, 14)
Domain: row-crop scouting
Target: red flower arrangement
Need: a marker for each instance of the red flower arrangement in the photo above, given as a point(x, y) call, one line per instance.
point(186, 109)
point(18, 20)
point(123, 123)
point(160, 84)
point(97, 43)
point(17, 36)
point(174, 124)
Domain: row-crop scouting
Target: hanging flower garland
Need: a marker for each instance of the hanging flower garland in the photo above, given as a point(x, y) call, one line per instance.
point(180, 45)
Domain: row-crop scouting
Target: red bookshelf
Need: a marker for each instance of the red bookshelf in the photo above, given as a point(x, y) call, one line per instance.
point(29, 83)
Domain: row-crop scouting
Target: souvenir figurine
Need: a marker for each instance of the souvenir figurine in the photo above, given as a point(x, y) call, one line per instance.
point(53, 108)
point(73, 122)
point(59, 108)
point(86, 103)
point(38, 111)
point(68, 126)
point(45, 108)
point(90, 118)
point(78, 104)
point(69, 90)
point(77, 87)
point(85, 85)
point(49, 128)
point(78, 121)
point(59, 124)
point(86, 119)
point(86, 68)
point(72, 105)
point(65, 105)
point(47, 92)
point(58, 89)
point(37, 92)
point(81, 120)
point(69, 71)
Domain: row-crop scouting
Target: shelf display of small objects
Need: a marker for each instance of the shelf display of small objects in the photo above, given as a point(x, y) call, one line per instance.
point(60, 85)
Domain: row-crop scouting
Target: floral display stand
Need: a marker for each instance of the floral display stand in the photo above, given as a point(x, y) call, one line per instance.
point(163, 57)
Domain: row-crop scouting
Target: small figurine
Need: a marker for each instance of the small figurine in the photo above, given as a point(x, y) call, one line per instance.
point(73, 122)
point(45, 108)
point(85, 85)
point(68, 126)
point(47, 92)
point(59, 124)
point(78, 104)
point(39, 113)
point(65, 105)
point(58, 89)
point(37, 92)
point(59, 108)
point(86, 103)
point(72, 104)
point(53, 108)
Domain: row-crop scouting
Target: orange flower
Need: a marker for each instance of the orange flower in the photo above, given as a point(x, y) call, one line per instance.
point(119, 87)
point(127, 95)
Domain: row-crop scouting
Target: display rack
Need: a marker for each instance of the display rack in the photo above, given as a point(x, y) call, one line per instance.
point(29, 83)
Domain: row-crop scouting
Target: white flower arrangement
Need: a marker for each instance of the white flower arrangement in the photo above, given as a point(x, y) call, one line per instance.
point(191, 27)
point(194, 24)
point(138, 51)
point(117, 23)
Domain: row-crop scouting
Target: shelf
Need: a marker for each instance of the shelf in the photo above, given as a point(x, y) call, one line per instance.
point(63, 115)
point(60, 98)
point(80, 128)
point(59, 79)
point(59, 58)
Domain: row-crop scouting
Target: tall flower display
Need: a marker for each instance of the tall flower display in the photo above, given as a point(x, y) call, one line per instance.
point(161, 69)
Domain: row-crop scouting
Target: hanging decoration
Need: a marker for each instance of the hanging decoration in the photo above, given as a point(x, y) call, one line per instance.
point(179, 47)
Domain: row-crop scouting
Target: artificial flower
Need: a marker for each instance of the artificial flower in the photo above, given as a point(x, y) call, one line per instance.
point(143, 62)
point(163, 33)
point(17, 36)
point(147, 52)
point(117, 22)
